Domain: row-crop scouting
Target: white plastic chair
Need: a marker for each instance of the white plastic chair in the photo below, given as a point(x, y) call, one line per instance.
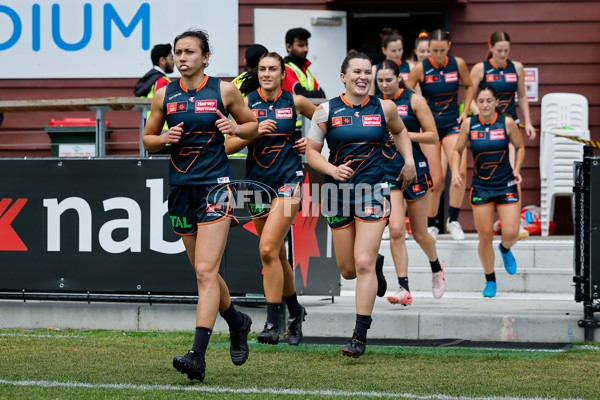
point(558, 154)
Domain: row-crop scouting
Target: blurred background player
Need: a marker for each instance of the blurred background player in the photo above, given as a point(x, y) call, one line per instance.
point(438, 77)
point(415, 113)
point(507, 77)
point(392, 46)
point(493, 189)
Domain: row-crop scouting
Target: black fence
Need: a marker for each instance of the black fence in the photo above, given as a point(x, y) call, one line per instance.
point(98, 230)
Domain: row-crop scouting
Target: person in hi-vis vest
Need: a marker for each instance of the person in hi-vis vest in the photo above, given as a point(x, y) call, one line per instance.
point(298, 78)
point(162, 64)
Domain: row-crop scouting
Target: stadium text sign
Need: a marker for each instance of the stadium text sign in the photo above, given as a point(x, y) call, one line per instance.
point(107, 39)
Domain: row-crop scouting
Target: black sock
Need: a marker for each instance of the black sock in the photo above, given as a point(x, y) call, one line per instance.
point(432, 221)
point(453, 213)
point(363, 323)
point(201, 340)
point(273, 310)
point(404, 283)
point(435, 265)
point(292, 304)
point(232, 317)
point(503, 249)
point(490, 277)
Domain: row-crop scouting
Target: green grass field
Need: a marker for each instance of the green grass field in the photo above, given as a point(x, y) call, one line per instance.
point(117, 365)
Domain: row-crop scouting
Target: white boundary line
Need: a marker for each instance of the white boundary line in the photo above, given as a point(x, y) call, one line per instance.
point(293, 392)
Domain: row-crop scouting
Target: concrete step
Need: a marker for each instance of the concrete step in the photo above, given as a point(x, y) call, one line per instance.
point(514, 317)
point(544, 266)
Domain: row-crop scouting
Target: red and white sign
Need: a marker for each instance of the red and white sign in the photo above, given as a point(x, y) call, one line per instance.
point(402, 110)
point(474, 135)
point(511, 77)
point(497, 134)
point(451, 77)
point(371, 120)
point(283, 113)
point(492, 78)
point(203, 106)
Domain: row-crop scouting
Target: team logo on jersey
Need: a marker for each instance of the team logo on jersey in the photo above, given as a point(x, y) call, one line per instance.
point(259, 112)
point(402, 110)
point(204, 106)
point(176, 107)
point(213, 207)
point(371, 120)
point(492, 78)
point(512, 77)
point(497, 134)
point(369, 210)
point(223, 179)
point(341, 121)
point(477, 135)
point(283, 113)
point(431, 79)
point(417, 188)
point(451, 77)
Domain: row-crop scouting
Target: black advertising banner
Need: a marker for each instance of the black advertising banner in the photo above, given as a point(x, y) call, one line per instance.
point(101, 225)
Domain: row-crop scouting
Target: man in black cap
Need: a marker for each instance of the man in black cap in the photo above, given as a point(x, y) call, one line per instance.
point(253, 53)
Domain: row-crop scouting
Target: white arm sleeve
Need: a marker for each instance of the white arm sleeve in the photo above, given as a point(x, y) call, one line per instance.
point(321, 115)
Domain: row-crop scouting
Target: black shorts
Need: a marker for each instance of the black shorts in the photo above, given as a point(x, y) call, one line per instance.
point(448, 131)
point(260, 201)
point(416, 190)
point(501, 196)
point(190, 206)
point(373, 207)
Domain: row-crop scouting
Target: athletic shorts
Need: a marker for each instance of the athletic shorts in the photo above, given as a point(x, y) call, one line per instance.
point(448, 131)
point(341, 213)
point(416, 190)
point(190, 206)
point(501, 196)
point(260, 201)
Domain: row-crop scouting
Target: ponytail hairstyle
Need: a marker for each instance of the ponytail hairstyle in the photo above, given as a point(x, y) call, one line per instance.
point(494, 95)
point(389, 35)
point(250, 81)
point(389, 64)
point(353, 54)
point(423, 37)
point(498, 36)
point(441, 35)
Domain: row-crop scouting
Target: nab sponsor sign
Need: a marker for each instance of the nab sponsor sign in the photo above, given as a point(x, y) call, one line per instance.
point(108, 39)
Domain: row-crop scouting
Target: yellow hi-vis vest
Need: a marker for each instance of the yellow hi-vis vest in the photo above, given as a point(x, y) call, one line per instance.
point(306, 80)
point(151, 95)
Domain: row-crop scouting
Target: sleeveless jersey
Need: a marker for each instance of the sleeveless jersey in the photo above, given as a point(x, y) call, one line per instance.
point(404, 72)
point(354, 134)
point(272, 160)
point(440, 89)
point(504, 80)
point(199, 158)
point(489, 144)
point(394, 162)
